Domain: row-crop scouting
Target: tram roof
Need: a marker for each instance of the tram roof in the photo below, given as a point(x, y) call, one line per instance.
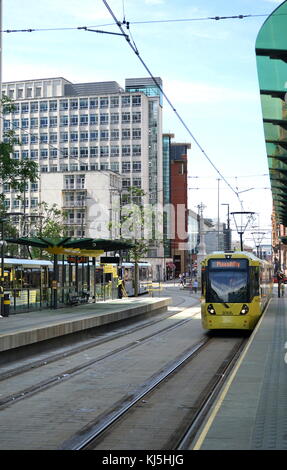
point(271, 56)
point(66, 245)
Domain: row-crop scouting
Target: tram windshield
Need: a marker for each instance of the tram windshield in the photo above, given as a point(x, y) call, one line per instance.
point(227, 285)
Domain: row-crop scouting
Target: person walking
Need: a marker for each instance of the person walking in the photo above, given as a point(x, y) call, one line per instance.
point(195, 285)
point(282, 288)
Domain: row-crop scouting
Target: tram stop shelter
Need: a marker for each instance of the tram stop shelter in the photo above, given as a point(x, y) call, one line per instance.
point(271, 57)
point(76, 250)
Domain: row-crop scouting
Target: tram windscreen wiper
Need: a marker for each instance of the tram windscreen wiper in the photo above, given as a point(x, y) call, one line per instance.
point(225, 305)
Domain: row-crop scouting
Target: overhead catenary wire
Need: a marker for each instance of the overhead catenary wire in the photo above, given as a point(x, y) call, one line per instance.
point(135, 50)
point(168, 20)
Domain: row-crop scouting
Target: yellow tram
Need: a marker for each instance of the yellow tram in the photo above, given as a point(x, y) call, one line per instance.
point(235, 288)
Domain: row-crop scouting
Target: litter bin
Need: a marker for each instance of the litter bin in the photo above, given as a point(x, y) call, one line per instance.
point(6, 305)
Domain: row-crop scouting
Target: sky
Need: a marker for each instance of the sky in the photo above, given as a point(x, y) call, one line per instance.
point(208, 69)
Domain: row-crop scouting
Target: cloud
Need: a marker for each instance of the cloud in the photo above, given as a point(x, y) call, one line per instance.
point(198, 92)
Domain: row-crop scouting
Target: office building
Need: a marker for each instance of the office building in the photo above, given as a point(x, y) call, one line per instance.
point(90, 132)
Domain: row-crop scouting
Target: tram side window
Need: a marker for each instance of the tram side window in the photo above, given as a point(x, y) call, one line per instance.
point(254, 281)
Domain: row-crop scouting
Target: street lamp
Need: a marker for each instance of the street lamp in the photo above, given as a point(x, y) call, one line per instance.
point(240, 225)
point(258, 237)
point(228, 227)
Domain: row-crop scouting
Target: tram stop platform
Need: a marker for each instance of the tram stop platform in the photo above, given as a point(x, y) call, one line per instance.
point(251, 411)
point(27, 329)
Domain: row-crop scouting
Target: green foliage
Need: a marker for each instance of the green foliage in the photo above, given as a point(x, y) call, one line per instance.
point(15, 172)
point(49, 224)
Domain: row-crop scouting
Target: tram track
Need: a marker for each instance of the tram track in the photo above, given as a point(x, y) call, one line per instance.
point(144, 368)
point(98, 434)
point(87, 344)
point(67, 374)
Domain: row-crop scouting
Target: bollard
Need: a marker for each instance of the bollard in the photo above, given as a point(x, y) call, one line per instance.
point(6, 305)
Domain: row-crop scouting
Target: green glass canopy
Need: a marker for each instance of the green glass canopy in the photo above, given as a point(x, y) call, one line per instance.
point(68, 245)
point(271, 57)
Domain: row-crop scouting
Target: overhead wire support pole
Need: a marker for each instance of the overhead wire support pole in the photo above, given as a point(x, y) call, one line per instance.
point(134, 48)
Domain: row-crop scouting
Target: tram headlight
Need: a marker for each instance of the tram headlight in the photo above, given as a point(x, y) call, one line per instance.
point(211, 309)
point(244, 310)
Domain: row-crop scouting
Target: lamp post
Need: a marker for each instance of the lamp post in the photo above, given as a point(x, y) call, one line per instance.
point(228, 244)
point(258, 237)
point(240, 226)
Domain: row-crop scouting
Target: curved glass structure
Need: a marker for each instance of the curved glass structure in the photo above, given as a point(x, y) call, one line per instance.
point(271, 56)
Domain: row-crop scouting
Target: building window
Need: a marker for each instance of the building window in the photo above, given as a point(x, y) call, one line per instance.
point(137, 133)
point(43, 138)
point(53, 105)
point(74, 104)
point(34, 106)
point(64, 137)
point(74, 137)
point(94, 135)
point(126, 150)
point(104, 151)
point(115, 151)
point(84, 103)
point(34, 155)
point(136, 150)
point(115, 134)
point(53, 121)
point(126, 118)
point(126, 101)
point(104, 102)
point(93, 151)
point(84, 119)
point(43, 106)
point(64, 152)
point(115, 118)
point(74, 120)
point(84, 136)
point(24, 107)
point(34, 123)
point(104, 135)
point(137, 166)
point(93, 119)
point(34, 139)
point(126, 183)
point(43, 153)
point(43, 122)
point(74, 152)
point(53, 153)
point(136, 100)
point(64, 120)
point(137, 182)
point(64, 105)
point(93, 103)
point(126, 134)
point(84, 152)
point(136, 116)
point(114, 102)
point(115, 166)
point(126, 167)
point(104, 118)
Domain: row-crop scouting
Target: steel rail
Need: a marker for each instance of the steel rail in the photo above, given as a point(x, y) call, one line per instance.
point(69, 373)
point(87, 436)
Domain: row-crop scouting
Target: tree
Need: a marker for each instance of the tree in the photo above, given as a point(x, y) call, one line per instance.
point(131, 227)
point(48, 222)
point(13, 171)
